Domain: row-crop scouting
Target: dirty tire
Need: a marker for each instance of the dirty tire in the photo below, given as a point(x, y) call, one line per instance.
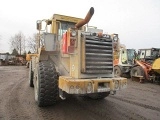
point(117, 71)
point(46, 84)
point(98, 96)
point(30, 75)
point(137, 71)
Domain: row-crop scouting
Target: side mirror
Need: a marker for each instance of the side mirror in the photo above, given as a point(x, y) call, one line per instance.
point(39, 25)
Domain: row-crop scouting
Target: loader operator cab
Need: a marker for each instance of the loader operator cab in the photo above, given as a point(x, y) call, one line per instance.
point(63, 26)
point(131, 53)
point(127, 56)
point(56, 28)
point(149, 55)
point(123, 55)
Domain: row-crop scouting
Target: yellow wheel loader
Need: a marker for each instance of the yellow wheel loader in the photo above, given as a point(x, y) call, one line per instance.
point(73, 59)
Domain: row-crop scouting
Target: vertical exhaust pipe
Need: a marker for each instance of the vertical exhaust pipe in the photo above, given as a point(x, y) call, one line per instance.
point(87, 18)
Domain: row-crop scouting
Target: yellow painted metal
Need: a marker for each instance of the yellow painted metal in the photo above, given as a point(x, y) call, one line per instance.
point(83, 65)
point(156, 65)
point(75, 59)
point(28, 56)
point(54, 27)
point(59, 17)
point(65, 83)
point(73, 62)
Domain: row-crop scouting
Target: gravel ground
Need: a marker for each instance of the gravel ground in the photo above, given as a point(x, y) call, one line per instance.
point(136, 102)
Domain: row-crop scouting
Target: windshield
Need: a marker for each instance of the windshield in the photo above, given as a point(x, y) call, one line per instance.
point(155, 53)
point(63, 27)
point(131, 54)
point(128, 55)
point(124, 57)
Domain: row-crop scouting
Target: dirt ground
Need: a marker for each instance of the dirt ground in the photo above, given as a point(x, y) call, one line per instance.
point(136, 102)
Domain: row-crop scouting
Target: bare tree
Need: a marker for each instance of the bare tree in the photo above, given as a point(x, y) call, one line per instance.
point(18, 42)
point(31, 43)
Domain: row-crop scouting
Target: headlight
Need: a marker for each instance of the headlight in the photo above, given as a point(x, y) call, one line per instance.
point(73, 33)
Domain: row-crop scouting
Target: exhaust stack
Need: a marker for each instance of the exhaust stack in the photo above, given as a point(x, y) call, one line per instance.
point(87, 18)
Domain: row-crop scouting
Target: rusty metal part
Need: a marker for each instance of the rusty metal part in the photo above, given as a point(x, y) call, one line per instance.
point(145, 66)
point(87, 18)
point(100, 34)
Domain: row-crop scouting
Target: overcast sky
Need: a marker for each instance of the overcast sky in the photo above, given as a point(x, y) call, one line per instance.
point(136, 21)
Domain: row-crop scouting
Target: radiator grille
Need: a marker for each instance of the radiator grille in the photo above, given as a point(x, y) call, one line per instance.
point(98, 55)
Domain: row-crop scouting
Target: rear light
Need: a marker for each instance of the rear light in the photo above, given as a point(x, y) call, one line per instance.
point(73, 33)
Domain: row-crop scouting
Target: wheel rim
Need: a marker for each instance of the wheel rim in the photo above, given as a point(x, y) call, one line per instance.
point(135, 73)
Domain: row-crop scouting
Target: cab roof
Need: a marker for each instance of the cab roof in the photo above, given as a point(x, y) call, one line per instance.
point(59, 17)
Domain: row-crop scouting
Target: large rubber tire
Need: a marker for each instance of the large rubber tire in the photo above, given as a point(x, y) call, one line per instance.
point(117, 71)
point(98, 96)
point(46, 84)
point(137, 71)
point(30, 75)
